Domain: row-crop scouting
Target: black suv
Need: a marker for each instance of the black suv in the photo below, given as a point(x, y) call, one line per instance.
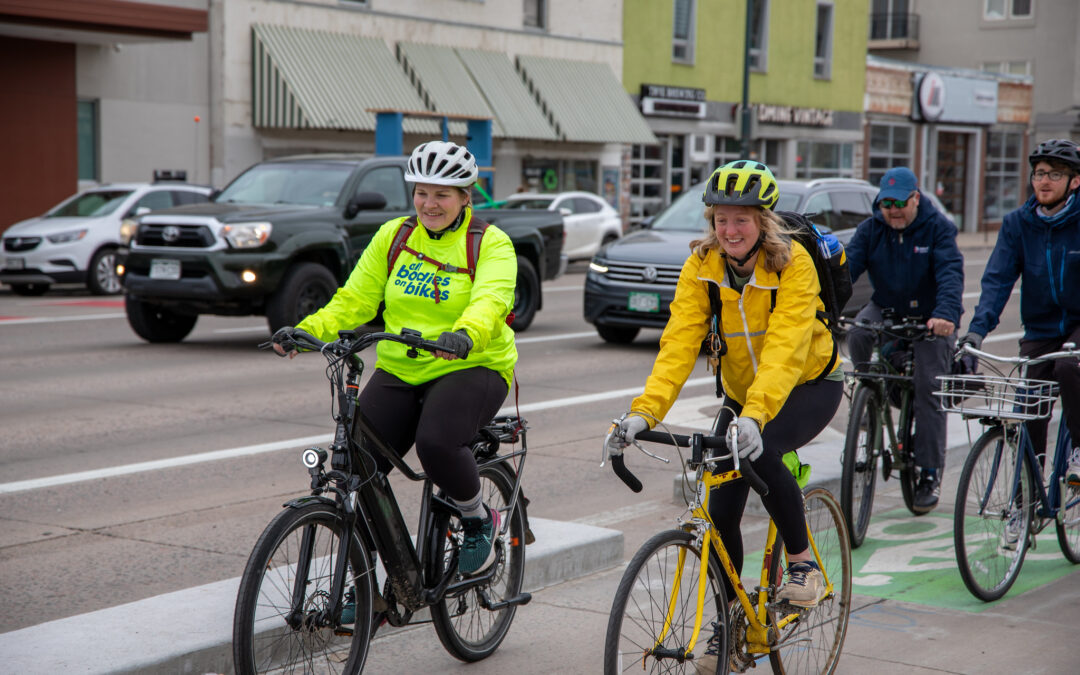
point(631, 282)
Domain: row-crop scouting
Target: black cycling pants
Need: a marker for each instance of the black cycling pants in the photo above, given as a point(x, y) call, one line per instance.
point(440, 416)
point(807, 411)
point(1066, 372)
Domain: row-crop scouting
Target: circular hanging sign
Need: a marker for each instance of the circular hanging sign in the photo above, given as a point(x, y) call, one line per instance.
point(931, 96)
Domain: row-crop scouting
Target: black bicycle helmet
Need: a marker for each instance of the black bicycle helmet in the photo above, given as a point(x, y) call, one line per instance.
point(742, 183)
point(1056, 150)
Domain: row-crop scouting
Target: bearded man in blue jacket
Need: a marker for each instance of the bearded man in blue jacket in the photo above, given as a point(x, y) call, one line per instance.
point(1039, 243)
point(909, 250)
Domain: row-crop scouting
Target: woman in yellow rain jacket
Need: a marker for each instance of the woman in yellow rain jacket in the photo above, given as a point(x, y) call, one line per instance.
point(438, 401)
point(774, 369)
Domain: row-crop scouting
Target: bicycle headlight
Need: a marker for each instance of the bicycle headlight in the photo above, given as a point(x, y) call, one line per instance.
point(247, 235)
point(65, 237)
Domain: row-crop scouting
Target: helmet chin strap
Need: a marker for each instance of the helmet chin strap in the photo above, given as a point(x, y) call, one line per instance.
point(754, 249)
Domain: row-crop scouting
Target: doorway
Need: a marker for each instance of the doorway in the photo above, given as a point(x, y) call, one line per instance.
point(952, 158)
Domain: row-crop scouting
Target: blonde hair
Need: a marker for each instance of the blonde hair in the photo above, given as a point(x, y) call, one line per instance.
point(776, 247)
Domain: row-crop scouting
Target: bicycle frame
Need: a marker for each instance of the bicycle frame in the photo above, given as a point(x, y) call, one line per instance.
point(1047, 501)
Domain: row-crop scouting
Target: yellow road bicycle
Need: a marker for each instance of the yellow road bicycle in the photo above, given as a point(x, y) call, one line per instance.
point(671, 607)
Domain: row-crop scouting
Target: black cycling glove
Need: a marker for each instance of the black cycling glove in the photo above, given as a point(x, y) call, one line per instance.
point(457, 343)
point(284, 336)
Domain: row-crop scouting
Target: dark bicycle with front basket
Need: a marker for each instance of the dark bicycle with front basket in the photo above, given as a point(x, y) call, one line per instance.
point(309, 599)
point(885, 380)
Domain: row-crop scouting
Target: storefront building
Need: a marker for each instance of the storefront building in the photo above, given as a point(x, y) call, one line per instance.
point(965, 133)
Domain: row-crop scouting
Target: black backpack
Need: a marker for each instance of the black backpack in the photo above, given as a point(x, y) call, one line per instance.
point(832, 268)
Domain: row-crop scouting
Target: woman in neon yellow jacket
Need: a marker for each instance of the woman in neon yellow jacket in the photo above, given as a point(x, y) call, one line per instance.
point(423, 271)
point(779, 373)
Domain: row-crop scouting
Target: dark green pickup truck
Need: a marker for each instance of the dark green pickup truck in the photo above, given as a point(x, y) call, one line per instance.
point(281, 237)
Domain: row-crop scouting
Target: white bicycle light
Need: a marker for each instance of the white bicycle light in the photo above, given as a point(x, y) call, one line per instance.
point(312, 457)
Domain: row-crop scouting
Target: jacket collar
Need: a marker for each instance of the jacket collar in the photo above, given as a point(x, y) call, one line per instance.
point(713, 269)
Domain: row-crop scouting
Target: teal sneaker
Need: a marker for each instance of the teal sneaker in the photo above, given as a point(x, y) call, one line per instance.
point(477, 549)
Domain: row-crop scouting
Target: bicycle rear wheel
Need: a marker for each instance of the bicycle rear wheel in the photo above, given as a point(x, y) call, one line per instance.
point(909, 477)
point(466, 628)
point(992, 516)
point(280, 623)
point(1068, 528)
point(652, 616)
point(862, 447)
point(812, 644)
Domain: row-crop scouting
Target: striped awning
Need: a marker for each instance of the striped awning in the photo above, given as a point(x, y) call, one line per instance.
point(584, 101)
point(507, 96)
point(313, 79)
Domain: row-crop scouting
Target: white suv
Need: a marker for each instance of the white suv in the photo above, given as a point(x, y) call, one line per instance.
point(76, 241)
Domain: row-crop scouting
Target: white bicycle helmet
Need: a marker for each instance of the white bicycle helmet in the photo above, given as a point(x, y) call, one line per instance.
point(441, 163)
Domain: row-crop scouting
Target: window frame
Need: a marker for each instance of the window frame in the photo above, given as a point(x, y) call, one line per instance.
point(759, 56)
point(1008, 11)
point(825, 60)
point(997, 173)
point(541, 14)
point(893, 158)
point(689, 42)
point(88, 140)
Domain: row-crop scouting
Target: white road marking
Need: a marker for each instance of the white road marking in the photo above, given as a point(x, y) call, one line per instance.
point(245, 329)
point(606, 518)
point(61, 319)
point(564, 288)
point(1003, 337)
point(562, 336)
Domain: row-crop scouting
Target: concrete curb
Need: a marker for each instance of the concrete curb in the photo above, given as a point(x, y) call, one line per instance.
point(190, 631)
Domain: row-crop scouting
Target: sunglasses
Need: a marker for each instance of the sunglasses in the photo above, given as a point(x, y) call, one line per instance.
point(894, 203)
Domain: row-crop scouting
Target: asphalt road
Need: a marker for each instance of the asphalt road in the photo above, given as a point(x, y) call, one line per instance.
point(81, 393)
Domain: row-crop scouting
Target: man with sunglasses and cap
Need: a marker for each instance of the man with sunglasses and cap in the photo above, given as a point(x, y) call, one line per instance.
point(909, 250)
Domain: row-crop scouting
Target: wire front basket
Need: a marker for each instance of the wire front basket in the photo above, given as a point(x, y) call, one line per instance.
point(1006, 398)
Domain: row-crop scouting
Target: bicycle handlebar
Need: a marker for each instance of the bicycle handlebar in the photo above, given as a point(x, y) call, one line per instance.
point(1068, 349)
point(908, 328)
point(698, 442)
point(350, 342)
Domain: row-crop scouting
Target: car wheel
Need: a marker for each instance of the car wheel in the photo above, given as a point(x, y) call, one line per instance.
point(526, 295)
point(101, 276)
point(29, 289)
point(620, 335)
point(155, 323)
point(305, 289)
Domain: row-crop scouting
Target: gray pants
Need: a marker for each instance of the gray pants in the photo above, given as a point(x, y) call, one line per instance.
point(932, 358)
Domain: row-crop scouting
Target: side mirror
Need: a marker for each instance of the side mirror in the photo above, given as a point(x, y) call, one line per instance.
point(142, 211)
point(364, 201)
point(565, 211)
point(213, 195)
point(645, 223)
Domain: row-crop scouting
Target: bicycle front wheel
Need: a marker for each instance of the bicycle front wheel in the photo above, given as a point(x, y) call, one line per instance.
point(909, 477)
point(652, 617)
point(1068, 524)
point(862, 447)
point(465, 626)
point(812, 643)
point(993, 513)
point(281, 623)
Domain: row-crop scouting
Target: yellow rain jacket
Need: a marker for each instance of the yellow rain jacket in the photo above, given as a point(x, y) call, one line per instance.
point(769, 353)
point(479, 306)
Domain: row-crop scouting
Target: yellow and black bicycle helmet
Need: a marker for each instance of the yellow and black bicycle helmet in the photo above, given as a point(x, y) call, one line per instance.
point(742, 183)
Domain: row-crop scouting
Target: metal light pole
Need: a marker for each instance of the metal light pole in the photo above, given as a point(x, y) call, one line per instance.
point(745, 138)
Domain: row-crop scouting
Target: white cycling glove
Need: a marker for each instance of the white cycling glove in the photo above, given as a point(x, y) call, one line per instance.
point(629, 427)
point(750, 446)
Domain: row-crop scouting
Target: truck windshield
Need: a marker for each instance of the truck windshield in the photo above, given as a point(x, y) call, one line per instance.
point(90, 204)
point(288, 183)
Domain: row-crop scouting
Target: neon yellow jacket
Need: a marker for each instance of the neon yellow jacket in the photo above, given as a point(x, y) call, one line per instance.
point(769, 353)
point(480, 306)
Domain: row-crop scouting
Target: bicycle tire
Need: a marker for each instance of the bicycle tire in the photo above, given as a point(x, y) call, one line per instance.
point(813, 644)
point(465, 628)
point(909, 477)
point(642, 602)
point(987, 568)
point(862, 447)
point(263, 639)
point(1068, 524)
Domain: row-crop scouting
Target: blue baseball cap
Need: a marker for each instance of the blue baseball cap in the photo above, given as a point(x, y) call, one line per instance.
point(897, 183)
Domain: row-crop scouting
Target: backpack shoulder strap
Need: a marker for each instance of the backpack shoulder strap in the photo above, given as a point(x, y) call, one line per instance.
point(473, 238)
point(398, 244)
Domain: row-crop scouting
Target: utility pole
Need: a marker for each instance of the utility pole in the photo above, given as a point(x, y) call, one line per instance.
point(745, 138)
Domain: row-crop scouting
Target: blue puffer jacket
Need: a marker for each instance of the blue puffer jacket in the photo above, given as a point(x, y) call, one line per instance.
point(1048, 257)
point(917, 271)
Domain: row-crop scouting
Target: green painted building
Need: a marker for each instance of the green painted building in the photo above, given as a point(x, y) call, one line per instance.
point(683, 63)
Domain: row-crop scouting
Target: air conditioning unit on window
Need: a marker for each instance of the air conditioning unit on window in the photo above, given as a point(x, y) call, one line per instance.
point(701, 147)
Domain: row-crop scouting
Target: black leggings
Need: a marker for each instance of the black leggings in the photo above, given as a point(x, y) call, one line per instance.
point(440, 416)
point(807, 411)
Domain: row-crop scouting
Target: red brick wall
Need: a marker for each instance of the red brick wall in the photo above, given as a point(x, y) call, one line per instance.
point(38, 134)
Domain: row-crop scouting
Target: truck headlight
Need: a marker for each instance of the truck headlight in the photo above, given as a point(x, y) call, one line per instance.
point(65, 237)
point(247, 235)
point(597, 267)
point(127, 231)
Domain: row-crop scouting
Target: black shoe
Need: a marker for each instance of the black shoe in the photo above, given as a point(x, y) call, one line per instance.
point(927, 492)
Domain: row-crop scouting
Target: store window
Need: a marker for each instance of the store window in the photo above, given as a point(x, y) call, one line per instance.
point(1003, 174)
point(682, 35)
point(996, 10)
point(824, 160)
point(727, 149)
point(87, 121)
point(759, 34)
point(890, 145)
point(1008, 67)
point(647, 171)
point(823, 42)
point(559, 175)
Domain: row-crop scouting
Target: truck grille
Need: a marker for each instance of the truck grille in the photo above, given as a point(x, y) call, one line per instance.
point(186, 236)
point(643, 273)
point(16, 244)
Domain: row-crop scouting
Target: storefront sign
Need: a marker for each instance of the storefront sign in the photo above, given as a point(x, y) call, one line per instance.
point(660, 99)
point(949, 98)
point(673, 93)
point(786, 114)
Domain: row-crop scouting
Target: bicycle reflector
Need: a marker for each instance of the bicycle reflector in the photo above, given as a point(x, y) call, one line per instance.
point(313, 457)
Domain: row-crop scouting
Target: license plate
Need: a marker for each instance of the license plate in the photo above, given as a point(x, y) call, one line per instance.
point(644, 302)
point(14, 263)
point(164, 268)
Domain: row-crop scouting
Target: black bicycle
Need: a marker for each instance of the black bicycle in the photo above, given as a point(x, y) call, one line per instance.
point(886, 379)
point(309, 599)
